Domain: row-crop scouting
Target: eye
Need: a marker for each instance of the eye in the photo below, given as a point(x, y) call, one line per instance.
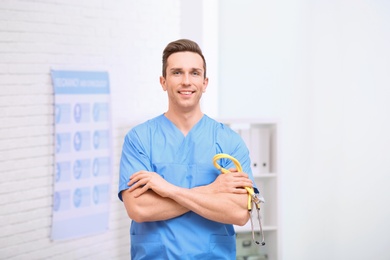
point(196, 73)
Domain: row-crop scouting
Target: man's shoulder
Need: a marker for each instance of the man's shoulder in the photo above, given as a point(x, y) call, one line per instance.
point(141, 129)
point(150, 123)
point(220, 126)
point(214, 122)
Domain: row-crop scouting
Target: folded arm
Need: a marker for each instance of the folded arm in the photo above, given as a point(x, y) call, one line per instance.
point(151, 198)
point(150, 206)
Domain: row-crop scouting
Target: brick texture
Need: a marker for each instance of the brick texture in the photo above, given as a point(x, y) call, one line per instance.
point(124, 37)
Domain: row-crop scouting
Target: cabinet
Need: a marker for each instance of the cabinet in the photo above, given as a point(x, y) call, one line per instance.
point(261, 138)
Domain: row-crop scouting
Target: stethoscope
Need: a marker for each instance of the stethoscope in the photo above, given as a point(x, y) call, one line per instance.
point(253, 198)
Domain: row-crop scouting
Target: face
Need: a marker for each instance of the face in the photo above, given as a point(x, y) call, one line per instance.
point(184, 81)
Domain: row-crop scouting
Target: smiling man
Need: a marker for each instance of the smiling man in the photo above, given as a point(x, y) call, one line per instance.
point(180, 206)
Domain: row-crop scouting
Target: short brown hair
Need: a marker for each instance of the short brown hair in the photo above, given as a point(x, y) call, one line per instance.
point(181, 46)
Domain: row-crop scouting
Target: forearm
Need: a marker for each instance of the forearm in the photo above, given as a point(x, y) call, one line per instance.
point(226, 208)
point(151, 207)
point(223, 200)
point(221, 207)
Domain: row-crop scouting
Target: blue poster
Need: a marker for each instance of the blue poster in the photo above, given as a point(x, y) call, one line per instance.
point(83, 153)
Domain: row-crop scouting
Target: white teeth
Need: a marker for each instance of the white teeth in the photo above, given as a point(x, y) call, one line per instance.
point(186, 92)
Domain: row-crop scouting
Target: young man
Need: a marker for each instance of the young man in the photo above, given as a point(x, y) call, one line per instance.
point(180, 204)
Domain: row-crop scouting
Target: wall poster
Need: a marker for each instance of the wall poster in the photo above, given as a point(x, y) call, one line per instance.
point(83, 153)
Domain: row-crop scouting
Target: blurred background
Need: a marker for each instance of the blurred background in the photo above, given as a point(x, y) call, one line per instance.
point(320, 68)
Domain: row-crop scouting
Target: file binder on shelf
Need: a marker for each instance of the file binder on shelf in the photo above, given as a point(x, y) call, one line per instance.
point(260, 136)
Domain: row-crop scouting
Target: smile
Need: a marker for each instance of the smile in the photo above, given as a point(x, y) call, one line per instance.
point(186, 92)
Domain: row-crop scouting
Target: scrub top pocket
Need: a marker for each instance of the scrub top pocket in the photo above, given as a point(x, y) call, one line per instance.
point(222, 246)
point(147, 247)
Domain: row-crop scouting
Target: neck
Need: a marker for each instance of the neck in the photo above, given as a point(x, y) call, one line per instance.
point(184, 121)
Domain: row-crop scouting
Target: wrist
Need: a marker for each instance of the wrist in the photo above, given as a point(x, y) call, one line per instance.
point(205, 189)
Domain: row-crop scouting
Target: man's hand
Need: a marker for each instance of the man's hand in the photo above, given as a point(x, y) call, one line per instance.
point(233, 182)
point(145, 180)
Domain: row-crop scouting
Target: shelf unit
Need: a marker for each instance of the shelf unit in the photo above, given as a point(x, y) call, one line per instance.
point(261, 138)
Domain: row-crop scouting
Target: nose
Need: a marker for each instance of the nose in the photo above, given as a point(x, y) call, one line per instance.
point(186, 79)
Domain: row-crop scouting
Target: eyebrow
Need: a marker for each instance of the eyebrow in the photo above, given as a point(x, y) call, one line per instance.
point(192, 69)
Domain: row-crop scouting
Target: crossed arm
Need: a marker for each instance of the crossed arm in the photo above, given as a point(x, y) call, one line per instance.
point(151, 198)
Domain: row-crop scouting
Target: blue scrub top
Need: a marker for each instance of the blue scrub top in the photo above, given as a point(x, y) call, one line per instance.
point(186, 161)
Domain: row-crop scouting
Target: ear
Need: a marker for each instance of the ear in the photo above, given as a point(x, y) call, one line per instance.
point(162, 82)
point(205, 84)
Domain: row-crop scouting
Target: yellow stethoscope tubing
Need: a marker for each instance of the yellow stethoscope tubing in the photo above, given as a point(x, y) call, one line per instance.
point(219, 156)
point(250, 190)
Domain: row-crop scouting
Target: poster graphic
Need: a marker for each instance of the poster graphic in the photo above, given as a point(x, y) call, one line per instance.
point(83, 153)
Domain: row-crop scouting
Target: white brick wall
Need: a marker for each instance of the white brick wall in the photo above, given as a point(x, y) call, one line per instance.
point(125, 37)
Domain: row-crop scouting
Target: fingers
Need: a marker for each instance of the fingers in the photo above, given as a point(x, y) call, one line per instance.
point(237, 173)
point(232, 183)
point(142, 181)
point(243, 184)
point(139, 179)
point(239, 191)
point(240, 179)
point(140, 191)
point(137, 184)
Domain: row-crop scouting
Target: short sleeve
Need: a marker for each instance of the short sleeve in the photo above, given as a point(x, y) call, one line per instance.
point(133, 159)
